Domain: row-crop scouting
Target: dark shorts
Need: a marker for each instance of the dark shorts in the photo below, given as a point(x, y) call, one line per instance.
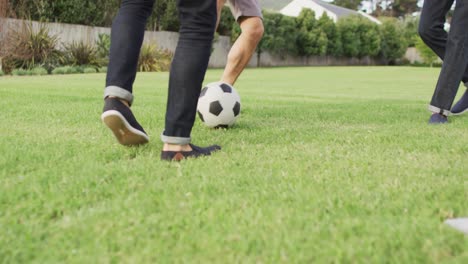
point(245, 8)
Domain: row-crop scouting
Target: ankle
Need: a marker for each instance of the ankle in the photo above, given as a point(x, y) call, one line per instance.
point(121, 100)
point(435, 113)
point(175, 147)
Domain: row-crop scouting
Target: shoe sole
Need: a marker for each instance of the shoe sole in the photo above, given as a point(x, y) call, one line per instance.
point(123, 131)
point(462, 112)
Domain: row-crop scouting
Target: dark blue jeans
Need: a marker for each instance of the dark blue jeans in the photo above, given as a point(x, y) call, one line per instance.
point(452, 48)
point(197, 26)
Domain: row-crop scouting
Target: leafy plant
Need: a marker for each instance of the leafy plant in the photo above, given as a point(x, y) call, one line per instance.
point(89, 70)
point(27, 47)
point(102, 48)
point(102, 69)
point(39, 71)
point(64, 70)
point(425, 52)
point(81, 53)
point(394, 43)
point(21, 72)
point(153, 59)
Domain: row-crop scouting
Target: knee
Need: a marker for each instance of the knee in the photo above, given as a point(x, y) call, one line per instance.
point(429, 30)
point(142, 8)
point(253, 29)
point(424, 31)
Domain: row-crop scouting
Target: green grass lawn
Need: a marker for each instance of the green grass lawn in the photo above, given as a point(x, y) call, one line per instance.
point(325, 165)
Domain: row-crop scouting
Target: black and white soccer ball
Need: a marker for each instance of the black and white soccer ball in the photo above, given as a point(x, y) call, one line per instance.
point(219, 105)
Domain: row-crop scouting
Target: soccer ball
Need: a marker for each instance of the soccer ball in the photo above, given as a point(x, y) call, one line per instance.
point(218, 105)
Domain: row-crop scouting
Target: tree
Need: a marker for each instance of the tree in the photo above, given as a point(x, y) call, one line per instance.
point(394, 8)
point(348, 28)
point(351, 4)
point(170, 19)
point(92, 13)
point(226, 22)
point(4, 7)
point(400, 8)
point(328, 26)
point(279, 37)
point(368, 32)
point(394, 44)
point(410, 29)
point(359, 37)
point(310, 40)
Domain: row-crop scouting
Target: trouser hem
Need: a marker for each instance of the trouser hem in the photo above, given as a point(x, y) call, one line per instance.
point(438, 110)
point(119, 92)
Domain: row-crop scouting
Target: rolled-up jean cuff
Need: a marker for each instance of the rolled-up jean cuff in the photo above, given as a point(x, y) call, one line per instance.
point(175, 140)
point(119, 93)
point(435, 109)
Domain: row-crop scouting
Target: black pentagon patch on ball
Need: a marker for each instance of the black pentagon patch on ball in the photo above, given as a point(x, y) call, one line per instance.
point(226, 88)
point(201, 116)
point(203, 91)
point(216, 108)
point(236, 109)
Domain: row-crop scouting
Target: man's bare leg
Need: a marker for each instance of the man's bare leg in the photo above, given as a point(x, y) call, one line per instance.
point(244, 47)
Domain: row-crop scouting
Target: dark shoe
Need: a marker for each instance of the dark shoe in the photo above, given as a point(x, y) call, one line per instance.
point(120, 119)
point(195, 153)
point(461, 106)
point(437, 119)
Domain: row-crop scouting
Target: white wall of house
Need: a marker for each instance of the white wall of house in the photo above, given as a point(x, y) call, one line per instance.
point(295, 7)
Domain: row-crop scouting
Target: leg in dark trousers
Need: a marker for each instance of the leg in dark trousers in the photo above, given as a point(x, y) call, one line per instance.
point(197, 26)
point(455, 61)
point(431, 30)
point(128, 30)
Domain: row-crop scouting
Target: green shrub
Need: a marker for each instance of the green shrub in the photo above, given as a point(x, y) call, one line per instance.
point(26, 48)
point(80, 53)
point(427, 54)
point(310, 40)
point(58, 70)
point(153, 59)
point(102, 69)
point(89, 70)
point(76, 69)
point(39, 71)
point(21, 72)
point(1, 73)
point(63, 70)
point(103, 45)
point(359, 37)
point(279, 37)
point(71, 69)
point(394, 43)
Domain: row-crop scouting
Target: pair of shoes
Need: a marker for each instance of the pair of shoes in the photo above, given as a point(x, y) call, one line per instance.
point(195, 153)
point(461, 106)
point(121, 121)
point(437, 118)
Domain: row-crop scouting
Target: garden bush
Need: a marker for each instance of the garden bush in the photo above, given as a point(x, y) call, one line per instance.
point(39, 71)
point(89, 70)
point(154, 59)
point(21, 72)
point(27, 48)
point(81, 53)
